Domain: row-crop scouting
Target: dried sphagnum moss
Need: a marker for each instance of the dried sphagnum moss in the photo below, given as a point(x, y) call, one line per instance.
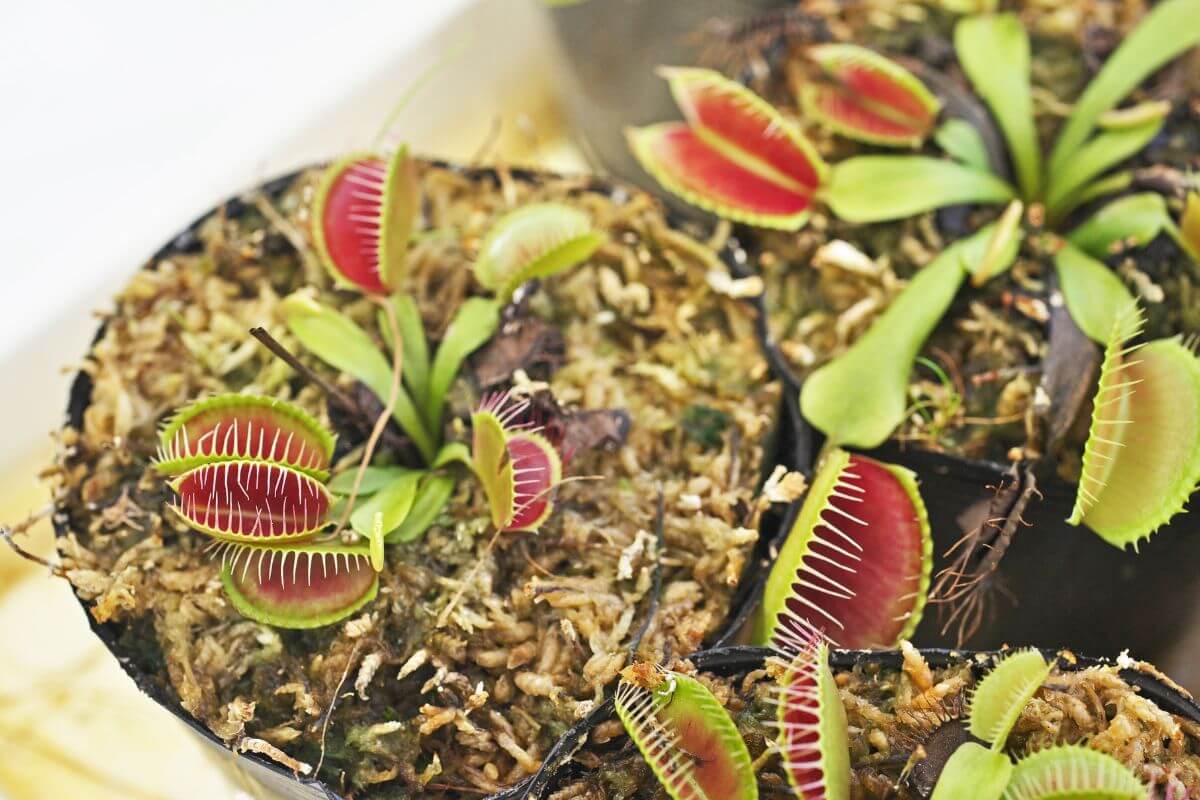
point(892, 712)
point(545, 622)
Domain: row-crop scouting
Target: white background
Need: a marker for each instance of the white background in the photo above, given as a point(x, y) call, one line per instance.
point(121, 121)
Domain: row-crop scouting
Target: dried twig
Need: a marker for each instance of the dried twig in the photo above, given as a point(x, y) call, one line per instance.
point(333, 701)
point(656, 581)
point(9, 534)
point(384, 415)
point(335, 394)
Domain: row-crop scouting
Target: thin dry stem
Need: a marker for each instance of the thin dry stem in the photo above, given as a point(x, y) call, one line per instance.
point(386, 414)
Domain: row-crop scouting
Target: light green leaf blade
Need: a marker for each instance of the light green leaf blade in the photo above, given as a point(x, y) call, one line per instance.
point(1187, 233)
point(1001, 248)
point(1093, 159)
point(393, 501)
point(374, 479)
point(1111, 183)
point(1166, 32)
point(993, 50)
point(1095, 297)
point(879, 188)
point(475, 322)
point(1073, 772)
point(415, 345)
point(432, 496)
point(1001, 696)
point(455, 451)
point(1135, 219)
point(860, 397)
point(962, 142)
point(338, 341)
point(975, 772)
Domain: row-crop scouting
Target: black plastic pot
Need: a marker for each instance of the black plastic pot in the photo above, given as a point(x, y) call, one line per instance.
point(1072, 588)
point(784, 445)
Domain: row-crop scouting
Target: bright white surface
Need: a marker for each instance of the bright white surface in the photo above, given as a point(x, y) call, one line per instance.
point(124, 120)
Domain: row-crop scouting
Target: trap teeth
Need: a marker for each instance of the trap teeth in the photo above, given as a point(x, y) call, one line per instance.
point(299, 585)
point(856, 564)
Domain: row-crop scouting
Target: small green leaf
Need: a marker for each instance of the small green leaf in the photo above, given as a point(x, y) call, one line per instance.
point(393, 502)
point(1187, 234)
point(374, 479)
point(415, 345)
point(962, 142)
point(879, 188)
point(1073, 772)
point(1000, 697)
point(1166, 32)
point(475, 322)
point(454, 451)
point(398, 217)
point(994, 52)
point(1093, 159)
point(376, 543)
point(338, 341)
point(535, 241)
point(1095, 296)
point(1112, 183)
point(1002, 247)
point(973, 771)
point(431, 498)
point(1134, 220)
point(860, 397)
point(1134, 116)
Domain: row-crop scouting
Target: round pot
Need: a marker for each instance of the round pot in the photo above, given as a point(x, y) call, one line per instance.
point(781, 447)
point(1071, 588)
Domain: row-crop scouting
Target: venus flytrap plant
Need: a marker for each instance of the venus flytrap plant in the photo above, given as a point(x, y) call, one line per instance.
point(735, 155)
point(982, 770)
point(856, 564)
point(517, 466)
point(859, 398)
point(304, 585)
point(535, 241)
point(1140, 462)
point(237, 463)
point(813, 742)
point(685, 735)
point(238, 426)
point(363, 216)
point(868, 97)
